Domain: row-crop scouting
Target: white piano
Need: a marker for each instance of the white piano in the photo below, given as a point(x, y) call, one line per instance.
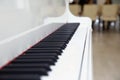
point(22, 20)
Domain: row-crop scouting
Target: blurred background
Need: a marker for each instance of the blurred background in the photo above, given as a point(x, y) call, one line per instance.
point(105, 15)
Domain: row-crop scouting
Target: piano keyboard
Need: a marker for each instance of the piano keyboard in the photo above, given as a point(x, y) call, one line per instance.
point(37, 61)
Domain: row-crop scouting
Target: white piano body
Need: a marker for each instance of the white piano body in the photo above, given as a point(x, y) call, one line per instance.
point(23, 23)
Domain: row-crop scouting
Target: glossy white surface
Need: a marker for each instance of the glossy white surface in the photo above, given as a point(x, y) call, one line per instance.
point(74, 64)
point(70, 64)
point(20, 23)
point(17, 16)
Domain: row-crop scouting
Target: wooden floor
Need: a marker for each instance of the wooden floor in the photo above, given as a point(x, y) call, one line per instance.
point(106, 56)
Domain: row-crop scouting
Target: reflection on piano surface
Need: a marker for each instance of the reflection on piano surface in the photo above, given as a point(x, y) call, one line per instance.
point(59, 48)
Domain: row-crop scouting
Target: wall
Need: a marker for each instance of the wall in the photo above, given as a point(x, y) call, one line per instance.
point(17, 16)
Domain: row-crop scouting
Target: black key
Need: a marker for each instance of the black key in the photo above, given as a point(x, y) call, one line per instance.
point(29, 65)
point(58, 36)
point(59, 33)
point(42, 43)
point(43, 51)
point(39, 57)
point(45, 48)
point(41, 54)
point(51, 44)
point(49, 61)
point(40, 71)
point(56, 39)
point(23, 76)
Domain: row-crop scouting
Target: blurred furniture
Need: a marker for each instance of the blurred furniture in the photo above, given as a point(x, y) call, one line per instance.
point(92, 11)
point(117, 26)
point(109, 13)
point(75, 9)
